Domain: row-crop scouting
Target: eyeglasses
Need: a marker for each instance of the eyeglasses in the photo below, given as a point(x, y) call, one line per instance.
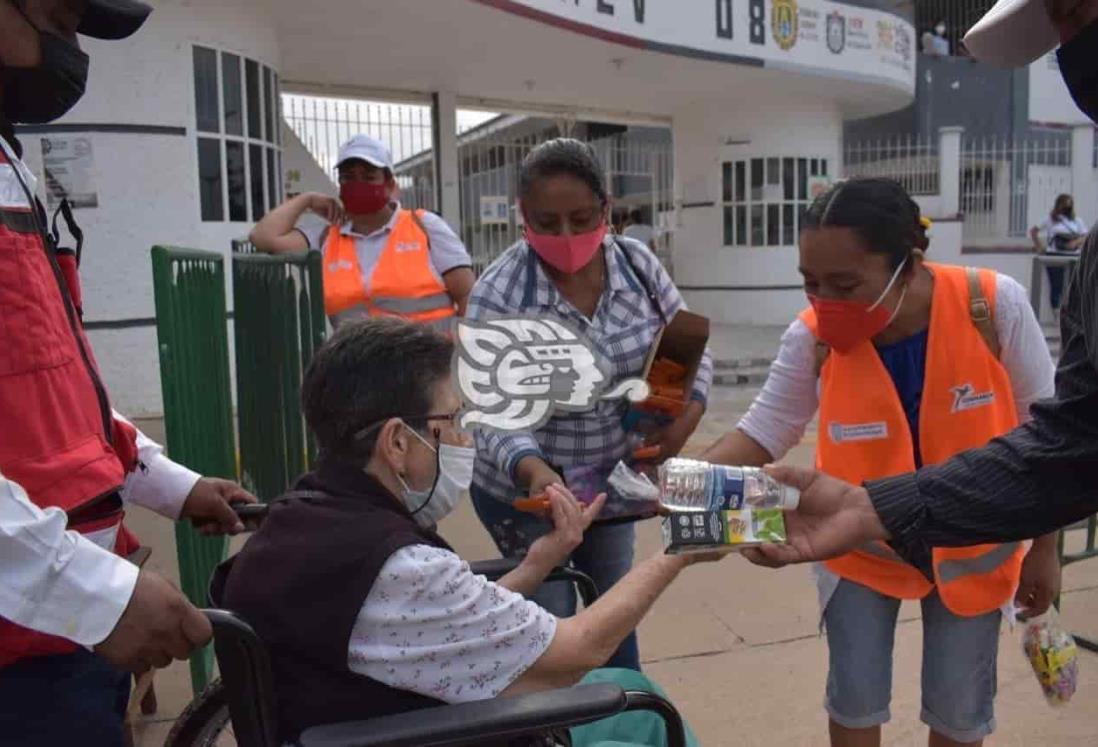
point(453, 418)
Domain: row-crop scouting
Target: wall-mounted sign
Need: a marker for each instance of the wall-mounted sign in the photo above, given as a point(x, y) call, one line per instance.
point(495, 210)
point(813, 35)
point(69, 168)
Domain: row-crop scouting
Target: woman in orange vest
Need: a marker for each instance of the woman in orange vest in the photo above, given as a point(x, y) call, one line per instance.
point(908, 363)
point(379, 258)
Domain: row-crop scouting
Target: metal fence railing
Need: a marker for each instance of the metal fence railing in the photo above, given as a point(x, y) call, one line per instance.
point(278, 322)
point(192, 336)
point(639, 175)
point(1010, 184)
point(323, 124)
point(1075, 554)
point(909, 159)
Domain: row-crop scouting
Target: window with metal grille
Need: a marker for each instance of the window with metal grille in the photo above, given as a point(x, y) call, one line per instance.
point(237, 118)
point(763, 200)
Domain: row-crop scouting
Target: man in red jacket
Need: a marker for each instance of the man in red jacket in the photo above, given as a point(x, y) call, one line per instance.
point(74, 614)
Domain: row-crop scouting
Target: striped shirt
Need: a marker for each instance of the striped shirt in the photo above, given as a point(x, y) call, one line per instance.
point(623, 329)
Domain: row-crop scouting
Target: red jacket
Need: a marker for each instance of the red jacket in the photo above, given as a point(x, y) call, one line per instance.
point(60, 441)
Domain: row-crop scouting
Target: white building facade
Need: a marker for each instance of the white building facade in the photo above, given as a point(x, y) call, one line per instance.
point(179, 140)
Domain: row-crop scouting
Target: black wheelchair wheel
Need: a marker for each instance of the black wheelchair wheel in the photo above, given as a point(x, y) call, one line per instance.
point(205, 721)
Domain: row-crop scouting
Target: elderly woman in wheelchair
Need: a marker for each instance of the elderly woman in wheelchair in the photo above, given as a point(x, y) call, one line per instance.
point(366, 611)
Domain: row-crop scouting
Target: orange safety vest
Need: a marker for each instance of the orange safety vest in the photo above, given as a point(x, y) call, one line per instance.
point(864, 435)
point(402, 284)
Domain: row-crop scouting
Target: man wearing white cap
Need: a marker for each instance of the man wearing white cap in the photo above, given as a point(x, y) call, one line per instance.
point(1037, 478)
point(379, 259)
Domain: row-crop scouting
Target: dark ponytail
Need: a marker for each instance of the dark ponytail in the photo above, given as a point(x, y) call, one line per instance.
point(879, 210)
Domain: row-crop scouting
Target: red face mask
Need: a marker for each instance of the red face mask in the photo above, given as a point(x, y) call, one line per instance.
point(845, 324)
point(364, 198)
point(566, 253)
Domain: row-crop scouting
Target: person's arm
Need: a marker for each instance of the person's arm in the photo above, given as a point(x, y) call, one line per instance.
point(174, 491)
point(277, 232)
point(1034, 236)
point(58, 582)
point(777, 419)
point(450, 259)
point(588, 639)
point(459, 284)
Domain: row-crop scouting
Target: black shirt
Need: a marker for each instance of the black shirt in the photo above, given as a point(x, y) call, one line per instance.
point(1031, 481)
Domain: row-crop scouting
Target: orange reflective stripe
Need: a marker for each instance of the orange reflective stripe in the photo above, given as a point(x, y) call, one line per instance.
point(864, 435)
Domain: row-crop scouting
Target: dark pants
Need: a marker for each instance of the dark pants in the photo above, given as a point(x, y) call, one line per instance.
point(74, 699)
point(605, 555)
point(1056, 285)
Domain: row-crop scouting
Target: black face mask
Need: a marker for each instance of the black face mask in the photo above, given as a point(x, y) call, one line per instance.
point(41, 94)
point(1079, 66)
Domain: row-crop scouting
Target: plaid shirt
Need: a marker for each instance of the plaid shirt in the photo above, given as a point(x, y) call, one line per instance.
point(622, 330)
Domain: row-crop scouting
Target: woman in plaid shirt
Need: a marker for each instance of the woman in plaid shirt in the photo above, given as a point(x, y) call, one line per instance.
point(615, 291)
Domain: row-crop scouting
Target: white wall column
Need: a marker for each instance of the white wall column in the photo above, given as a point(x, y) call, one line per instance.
point(1084, 177)
point(444, 132)
point(949, 170)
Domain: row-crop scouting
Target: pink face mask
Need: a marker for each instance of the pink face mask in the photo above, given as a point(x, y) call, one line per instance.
point(566, 253)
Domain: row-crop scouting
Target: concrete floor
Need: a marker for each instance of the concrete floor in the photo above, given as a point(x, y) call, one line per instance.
point(736, 646)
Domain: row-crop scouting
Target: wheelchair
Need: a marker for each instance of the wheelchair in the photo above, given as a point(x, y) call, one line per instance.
point(240, 708)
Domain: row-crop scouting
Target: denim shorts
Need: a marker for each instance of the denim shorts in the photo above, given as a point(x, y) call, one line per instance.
point(959, 663)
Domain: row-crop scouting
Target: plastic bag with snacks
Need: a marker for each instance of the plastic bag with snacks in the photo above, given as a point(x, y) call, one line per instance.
point(1053, 655)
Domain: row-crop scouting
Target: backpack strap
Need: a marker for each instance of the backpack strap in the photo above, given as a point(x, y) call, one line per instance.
point(981, 312)
point(653, 296)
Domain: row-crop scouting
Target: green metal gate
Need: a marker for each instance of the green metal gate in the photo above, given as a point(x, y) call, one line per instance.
point(194, 378)
point(278, 323)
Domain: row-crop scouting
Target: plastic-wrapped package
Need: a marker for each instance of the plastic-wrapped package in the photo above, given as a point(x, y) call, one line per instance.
point(1053, 655)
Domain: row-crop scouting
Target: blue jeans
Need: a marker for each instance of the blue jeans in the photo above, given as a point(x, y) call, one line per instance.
point(959, 663)
point(1055, 285)
point(72, 699)
point(605, 555)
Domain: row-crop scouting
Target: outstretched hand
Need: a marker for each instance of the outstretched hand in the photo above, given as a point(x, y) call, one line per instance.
point(833, 517)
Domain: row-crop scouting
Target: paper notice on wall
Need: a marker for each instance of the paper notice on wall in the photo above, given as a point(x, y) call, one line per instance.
point(69, 168)
point(495, 210)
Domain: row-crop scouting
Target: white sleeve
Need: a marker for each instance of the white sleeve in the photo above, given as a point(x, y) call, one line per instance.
point(158, 483)
point(447, 251)
point(1024, 350)
point(789, 398)
point(430, 626)
point(55, 581)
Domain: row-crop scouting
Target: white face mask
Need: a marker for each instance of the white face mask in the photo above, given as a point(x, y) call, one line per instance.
point(453, 477)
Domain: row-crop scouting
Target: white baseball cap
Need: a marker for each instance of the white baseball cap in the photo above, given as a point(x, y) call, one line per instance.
point(369, 149)
point(1012, 34)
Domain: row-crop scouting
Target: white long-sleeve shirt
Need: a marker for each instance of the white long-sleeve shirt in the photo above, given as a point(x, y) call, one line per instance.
point(57, 581)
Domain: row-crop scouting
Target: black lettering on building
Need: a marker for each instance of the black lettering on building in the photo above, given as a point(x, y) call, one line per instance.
point(757, 10)
point(604, 7)
point(724, 19)
point(638, 10)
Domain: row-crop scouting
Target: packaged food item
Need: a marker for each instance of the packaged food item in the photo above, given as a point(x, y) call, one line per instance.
point(1053, 655)
point(717, 531)
point(693, 484)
